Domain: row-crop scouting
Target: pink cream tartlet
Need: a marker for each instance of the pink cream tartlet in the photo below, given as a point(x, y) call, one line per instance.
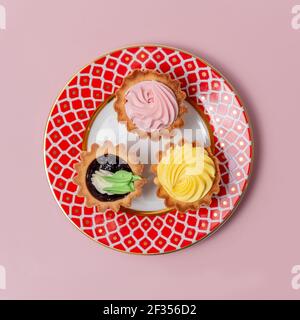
point(150, 103)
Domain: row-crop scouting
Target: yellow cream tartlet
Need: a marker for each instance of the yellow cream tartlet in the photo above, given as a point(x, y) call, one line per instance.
point(187, 176)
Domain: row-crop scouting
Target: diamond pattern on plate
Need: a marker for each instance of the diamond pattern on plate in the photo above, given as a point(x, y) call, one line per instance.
point(91, 87)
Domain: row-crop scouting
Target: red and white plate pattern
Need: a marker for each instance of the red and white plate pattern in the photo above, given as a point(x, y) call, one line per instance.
point(207, 88)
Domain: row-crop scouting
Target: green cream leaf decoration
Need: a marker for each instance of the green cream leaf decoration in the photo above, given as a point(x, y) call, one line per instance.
point(120, 182)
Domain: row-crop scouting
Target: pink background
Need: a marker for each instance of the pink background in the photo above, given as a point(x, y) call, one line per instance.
point(253, 44)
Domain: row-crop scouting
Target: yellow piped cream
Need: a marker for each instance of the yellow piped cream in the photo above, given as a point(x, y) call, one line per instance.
point(186, 172)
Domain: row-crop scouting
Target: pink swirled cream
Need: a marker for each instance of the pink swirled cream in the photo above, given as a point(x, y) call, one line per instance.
point(151, 105)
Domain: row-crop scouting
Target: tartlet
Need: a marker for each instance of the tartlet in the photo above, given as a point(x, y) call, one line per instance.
point(108, 177)
point(150, 103)
point(187, 176)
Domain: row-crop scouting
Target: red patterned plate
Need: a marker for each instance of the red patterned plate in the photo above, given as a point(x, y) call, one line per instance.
point(69, 130)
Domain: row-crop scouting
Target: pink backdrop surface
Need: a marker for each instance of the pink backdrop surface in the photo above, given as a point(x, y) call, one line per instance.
point(254, 45)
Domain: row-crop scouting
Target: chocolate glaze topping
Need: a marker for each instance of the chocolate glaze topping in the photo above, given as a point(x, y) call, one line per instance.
point(108, 162)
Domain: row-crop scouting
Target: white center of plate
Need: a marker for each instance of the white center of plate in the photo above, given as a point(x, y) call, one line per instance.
point(106, 127)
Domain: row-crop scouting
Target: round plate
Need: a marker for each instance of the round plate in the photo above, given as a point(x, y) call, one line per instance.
point(71, 128)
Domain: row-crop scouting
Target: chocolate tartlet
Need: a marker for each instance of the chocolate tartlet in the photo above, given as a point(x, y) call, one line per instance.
point(108, 177)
